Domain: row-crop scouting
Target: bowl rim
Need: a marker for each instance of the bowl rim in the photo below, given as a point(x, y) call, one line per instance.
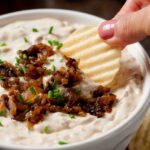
point(139, 110)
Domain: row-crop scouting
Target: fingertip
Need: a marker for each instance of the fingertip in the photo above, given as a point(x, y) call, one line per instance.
point(106, 29)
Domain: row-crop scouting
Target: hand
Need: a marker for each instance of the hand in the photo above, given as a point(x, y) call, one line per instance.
point(131, 24)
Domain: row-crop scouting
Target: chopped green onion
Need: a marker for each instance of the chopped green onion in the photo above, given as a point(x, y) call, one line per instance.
point(26, 110)
point(2, 113)
point(1, 77)
point(54, 84)
point(24, 56)
point(28, 103)
point(57, 94)
point(1, 62)
point(17, 61)
point(32, 90)
point(55, 43)
point(59, 97)
point(23, 68)
point(48, 72)
point(19, 96)
point(35, 30)
point(78, 91)
point(59, 46)
point(1, 125)
point(3, 44)
point(44, 59)
point(46, 130)
point(71, 116)
point(51, 60)
point(50, 42)
point(53, 68)
point(26, 40)
point(62, 142)
point(51, 30)
point(50, 94)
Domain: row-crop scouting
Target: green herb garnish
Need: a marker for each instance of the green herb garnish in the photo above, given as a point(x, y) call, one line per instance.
point(50, 94)
point(48, 72)
point(46, 130)
point(51, 60)
point(50, 30)
point(32, 90)
point(1, 77)
point(2, 113)
point(3, 44)
point(54, 84)
point(1, 125)
point(19, 96)
point(23, 68)
point(78, 91)
point(26, 110)
point(62, 142)
point(59, 46)
point(71, 116)
point(24, 56)
point(50, 42)
point(44, 59)
point(53, 68)
point(60, 97)
point(55, 43)
point(57, 94)
point(17, 61)
point(35, 30)
point(26, 40)
point(29, 103)
point(1, 62)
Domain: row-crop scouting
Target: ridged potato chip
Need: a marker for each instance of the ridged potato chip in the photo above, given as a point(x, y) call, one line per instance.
point(97, 60)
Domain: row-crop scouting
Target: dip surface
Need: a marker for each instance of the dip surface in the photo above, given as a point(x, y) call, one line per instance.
point(63, 128)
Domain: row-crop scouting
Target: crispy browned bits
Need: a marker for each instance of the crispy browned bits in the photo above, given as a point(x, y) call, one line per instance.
point(99, 105)
point(3, 104)
point(7, 70)
point(28, 99)
point(34, 72)
point(70, 76)
point(100, 91)
point(36, 54)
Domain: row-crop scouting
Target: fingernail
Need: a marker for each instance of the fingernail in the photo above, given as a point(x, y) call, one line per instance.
point(106, 29)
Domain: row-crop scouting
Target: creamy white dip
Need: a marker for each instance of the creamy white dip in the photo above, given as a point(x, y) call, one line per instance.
point(127, 87)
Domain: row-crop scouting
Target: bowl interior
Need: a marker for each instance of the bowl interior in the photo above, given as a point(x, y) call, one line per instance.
point(76, 17)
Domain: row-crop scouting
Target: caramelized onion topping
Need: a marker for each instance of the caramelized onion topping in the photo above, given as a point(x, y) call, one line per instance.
point(28, 99)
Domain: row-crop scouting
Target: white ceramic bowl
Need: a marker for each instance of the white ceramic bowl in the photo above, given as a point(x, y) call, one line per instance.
point(119, 137)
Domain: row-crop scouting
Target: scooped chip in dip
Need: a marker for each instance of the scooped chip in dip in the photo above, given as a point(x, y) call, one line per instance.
point(31, 99)
point(45, 90)
point(97, 60)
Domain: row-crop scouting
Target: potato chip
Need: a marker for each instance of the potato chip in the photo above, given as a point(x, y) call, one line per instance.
point(97, 60)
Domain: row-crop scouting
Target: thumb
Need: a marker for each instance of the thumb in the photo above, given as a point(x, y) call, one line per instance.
point(127, 29)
